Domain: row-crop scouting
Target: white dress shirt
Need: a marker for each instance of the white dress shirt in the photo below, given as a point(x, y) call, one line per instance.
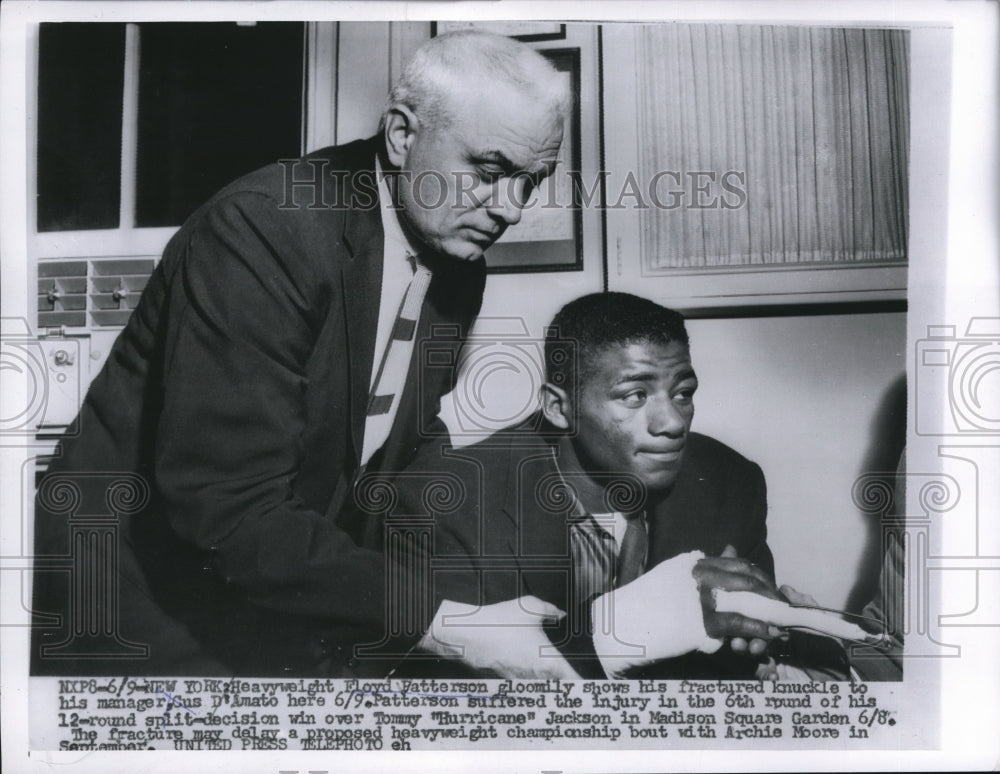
point(397, 271)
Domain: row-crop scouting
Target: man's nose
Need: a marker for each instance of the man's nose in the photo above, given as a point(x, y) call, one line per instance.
point(508, 200)
point(666, 418)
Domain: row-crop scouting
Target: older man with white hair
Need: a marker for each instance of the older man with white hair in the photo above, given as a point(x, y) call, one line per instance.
point(272, 359)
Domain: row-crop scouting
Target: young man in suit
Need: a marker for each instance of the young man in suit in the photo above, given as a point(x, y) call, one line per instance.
point(266, 366)
point(602, 507)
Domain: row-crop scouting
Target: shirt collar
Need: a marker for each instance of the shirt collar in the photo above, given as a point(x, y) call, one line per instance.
point(575, 511)
point(605, 523)
point(391, 228)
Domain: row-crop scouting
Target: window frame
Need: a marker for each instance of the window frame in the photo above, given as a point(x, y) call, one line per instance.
point(713, 291)
point(127, 240)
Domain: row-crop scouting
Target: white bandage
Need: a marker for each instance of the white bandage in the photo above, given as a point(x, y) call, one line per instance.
point(782, 614)
point(656, 616)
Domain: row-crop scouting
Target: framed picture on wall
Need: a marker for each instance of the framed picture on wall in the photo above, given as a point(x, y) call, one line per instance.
point(550, 234)
point(522, 30)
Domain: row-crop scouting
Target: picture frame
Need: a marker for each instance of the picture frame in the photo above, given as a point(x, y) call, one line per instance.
point(550, 235)
point(527, 31)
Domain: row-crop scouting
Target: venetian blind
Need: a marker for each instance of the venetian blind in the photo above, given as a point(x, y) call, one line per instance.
point(816, 119)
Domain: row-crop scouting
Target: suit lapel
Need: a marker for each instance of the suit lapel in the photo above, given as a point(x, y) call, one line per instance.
point(540, 538)
point(361, 278)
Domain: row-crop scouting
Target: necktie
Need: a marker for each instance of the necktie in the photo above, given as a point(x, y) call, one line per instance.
point(593, 552)
point(632, 556)
point(383, 400)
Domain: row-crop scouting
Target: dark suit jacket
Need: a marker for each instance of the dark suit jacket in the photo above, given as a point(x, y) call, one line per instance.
point(511, 536)
point(237, 392)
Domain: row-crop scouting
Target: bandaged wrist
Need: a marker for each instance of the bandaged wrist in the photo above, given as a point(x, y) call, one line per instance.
point(657, 616)
point(435, 639)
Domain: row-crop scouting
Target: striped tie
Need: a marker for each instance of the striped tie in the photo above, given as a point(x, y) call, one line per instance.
point(593, 553)
point(383, 401)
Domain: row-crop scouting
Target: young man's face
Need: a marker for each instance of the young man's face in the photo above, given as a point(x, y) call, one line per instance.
point(634, 407)
point(466, 181)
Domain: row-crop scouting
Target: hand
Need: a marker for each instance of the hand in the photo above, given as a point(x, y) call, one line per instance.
point(731, 573)
point(795, 598)
point(506, 638)
point(657, 616)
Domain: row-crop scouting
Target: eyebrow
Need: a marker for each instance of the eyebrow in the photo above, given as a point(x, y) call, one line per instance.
point(649, 376)
point(494, 157)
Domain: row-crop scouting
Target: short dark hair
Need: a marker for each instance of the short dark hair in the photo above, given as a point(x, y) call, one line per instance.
point(587, 326)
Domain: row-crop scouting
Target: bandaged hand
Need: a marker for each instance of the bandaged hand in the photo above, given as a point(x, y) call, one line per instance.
point(670, 611)
point(799, 614)
point(728, 572)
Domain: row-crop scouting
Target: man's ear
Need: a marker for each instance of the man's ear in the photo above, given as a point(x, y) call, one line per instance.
point(556, 406)
point(400, 131)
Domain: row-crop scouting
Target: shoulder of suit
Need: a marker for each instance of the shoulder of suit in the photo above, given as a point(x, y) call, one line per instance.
point(335, 162)
point(704, 449)
point(260, 196)
point(505, 445)
point(489, 461)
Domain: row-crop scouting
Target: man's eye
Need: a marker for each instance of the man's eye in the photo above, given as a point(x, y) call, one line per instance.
point(685, 395)
point(634, 399)
point(490, 172)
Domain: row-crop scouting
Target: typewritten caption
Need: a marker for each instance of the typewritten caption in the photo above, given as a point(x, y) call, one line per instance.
point(309, 714)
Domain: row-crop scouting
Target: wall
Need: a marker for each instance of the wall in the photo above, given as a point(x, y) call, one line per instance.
point(502, 373)
point(815, 401)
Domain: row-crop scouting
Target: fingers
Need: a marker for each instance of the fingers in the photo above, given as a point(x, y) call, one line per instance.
point(755, 647)
point(797, 598)
point(505, 638)
point(523, 654)
point(728, 571)
point(730, 562)
point(524, 660)
point(735, 564)
point(734, 575)
point(538, 607)
point(719, 625)
point(524, 611)
point(555, 667)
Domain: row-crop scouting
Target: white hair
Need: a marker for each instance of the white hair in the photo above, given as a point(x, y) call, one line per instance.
point(481, 59)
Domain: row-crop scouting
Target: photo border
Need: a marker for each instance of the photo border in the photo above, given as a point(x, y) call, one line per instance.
point(963, 287)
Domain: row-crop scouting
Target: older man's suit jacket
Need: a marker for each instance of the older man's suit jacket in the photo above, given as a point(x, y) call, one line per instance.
point(504, 524)
point(236, 396)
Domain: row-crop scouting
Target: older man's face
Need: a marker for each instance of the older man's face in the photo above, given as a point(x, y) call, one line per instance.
point(465, 181)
